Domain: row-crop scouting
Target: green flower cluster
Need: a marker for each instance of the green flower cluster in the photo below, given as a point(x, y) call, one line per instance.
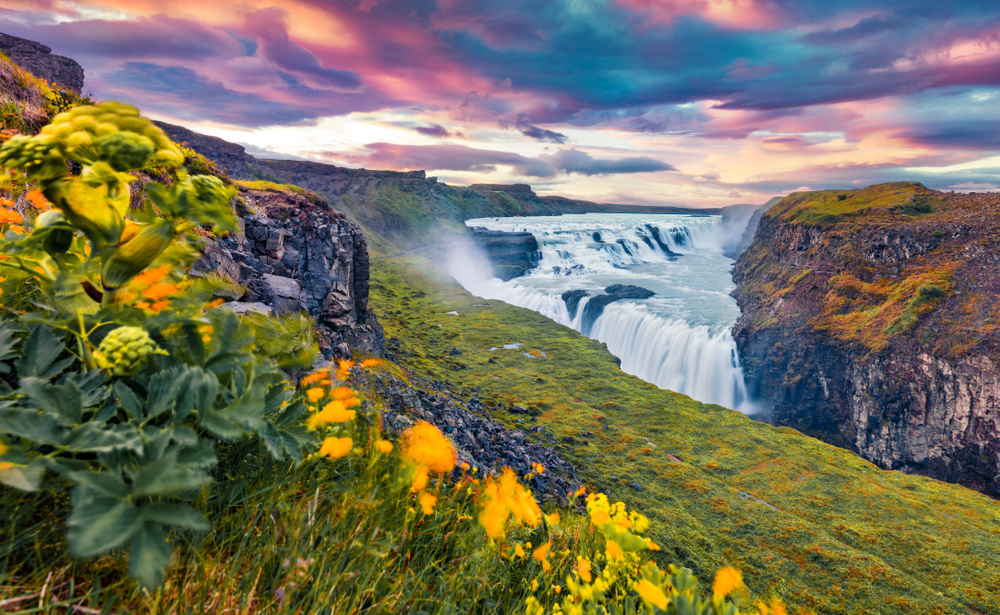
point(124, 350)
point(111, 133)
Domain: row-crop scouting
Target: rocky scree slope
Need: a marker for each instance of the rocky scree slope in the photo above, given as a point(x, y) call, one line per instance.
point(38, 60)
point(399, 210)
point(871, 320)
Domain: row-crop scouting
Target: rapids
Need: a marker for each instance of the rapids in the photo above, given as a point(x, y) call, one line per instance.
point(679, 339)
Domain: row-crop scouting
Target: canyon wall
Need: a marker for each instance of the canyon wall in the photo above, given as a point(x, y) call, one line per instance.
point(870, 320)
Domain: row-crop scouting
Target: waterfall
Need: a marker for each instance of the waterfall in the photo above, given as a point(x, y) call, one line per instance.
point(679, 338)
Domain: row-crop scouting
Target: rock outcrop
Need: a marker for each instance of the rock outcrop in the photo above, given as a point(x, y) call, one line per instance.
point(876, 328)
point(595, 305)
point(294, 253)
point(38, 60)
point(511, 254)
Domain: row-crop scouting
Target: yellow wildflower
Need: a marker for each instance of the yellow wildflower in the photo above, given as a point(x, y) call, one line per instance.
point(384, 445)
point(600, 517)
point(425, 445)
point(518, 550)
point(557, 589)
point(652, 594)
point(726, 580)
point(614, 551)
point(333, 412)
point(3, 449)
point(420, 480)
point(552, 519)
point(546, 566)
point(542, 552)
point(653, 546)
point(427, 502)
point(538, 468)
point(335, 448)
point(314, 395)
point(534, 584)
point(583, 569)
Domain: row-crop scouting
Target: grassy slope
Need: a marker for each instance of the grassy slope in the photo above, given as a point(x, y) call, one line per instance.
point(846, 537)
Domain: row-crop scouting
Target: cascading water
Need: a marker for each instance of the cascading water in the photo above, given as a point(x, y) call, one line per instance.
point(679, 338)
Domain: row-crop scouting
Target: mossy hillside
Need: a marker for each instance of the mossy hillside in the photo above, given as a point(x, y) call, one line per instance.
point(842, 536)
point(881, 202)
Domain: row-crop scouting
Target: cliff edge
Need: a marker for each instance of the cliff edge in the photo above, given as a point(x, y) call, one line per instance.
point(38, 60)
point(870, 320)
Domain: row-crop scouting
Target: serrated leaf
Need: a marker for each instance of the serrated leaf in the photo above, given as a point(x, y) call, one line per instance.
point(226, 362)
point(25, 478)
point(175, 514)
point(108, 410)
point(67, 400)
point(105, 483)
point(149, 555)
point(99, 523)
point(128, 400)
point(291, 414)
point(93, 437)
point(39, 427)
point(39, 351)
point(201, 455)
point(272, 440)
point(156, 442)
point(165, 390)
point(218, 425)
point(8, 340)
point(167, 475)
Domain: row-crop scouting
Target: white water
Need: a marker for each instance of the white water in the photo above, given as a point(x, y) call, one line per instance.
point(678, 339)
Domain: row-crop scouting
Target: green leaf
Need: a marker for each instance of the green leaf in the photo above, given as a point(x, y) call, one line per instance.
point(201, 455)
point(39, 427)
point(92, 437)
point(175, 514)
point(67, 400)
point(8, 341)
point(99, 523)
point(219, 425)
point(105, 483)
point(25, 478)
point(128, 400)
point(166, 476)
point(39, 351)
point(165, 390)
point(149, 555)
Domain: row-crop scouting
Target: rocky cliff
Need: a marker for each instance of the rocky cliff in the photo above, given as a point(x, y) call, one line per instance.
point(294, 253)
point(871, 320)
point(38, 60)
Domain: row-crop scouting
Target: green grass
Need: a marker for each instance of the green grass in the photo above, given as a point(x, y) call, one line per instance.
point(846, 537)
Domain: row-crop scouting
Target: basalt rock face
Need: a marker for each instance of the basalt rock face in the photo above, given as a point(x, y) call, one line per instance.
point(511, 254)
point(294, 253)
point(877, 328)
point(38, 60)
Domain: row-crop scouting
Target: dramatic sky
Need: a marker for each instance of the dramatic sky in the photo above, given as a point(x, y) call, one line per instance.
point(694, 102)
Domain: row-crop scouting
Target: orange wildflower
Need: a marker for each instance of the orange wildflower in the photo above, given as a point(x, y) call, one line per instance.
point(151, 276)
point(600, 517)
point(342, 393)
point(370, 363)
point(38, 200)
point(314, 395)
point(384, 445)
point(542, 552)
point(614, 551)
point(334, 448)
point(420, 479)
point(9, 215)
point(214, 304)
point(424, 444)
point(159, 291)
point(159, 306)
point(518, 550)
point(583, 569)
point(506, 498)
point(726, 580)
point(344, 369)
point(427, 502)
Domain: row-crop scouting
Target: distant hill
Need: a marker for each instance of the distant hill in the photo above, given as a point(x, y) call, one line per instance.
point(400, 210)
